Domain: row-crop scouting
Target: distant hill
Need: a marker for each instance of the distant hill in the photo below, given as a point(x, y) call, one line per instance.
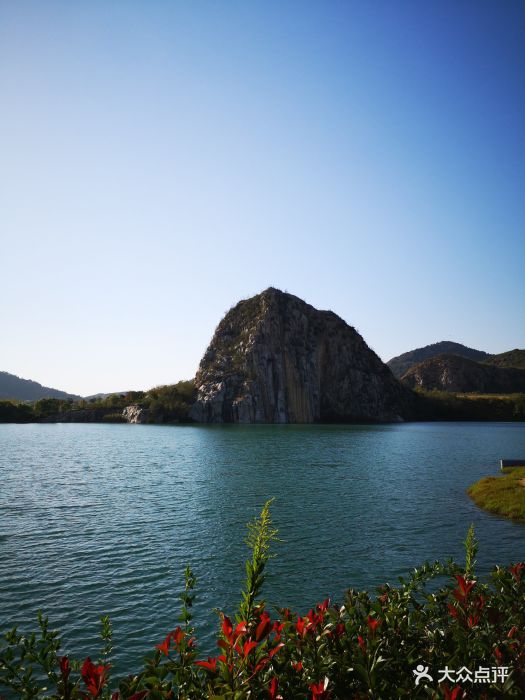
point(13, 387)
point(458, 374)
point(402, 363)
point(105, 396)
point(511, 358)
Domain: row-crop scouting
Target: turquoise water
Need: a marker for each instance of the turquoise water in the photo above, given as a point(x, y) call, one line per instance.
point(102, 519)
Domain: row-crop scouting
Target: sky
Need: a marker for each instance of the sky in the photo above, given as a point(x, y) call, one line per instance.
point(160, 161)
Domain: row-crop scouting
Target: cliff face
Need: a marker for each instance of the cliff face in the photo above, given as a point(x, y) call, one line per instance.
point(276, 359)
point(457, 374)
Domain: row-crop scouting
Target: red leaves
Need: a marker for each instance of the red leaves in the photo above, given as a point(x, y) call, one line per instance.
point(316, 620)
point(323, 607)
point(65, 668)
point(165, 646)
point(248, 646)
point(464, 588)
point(353, 633)
point(277, 627)
point(472, 620)
point(274, 651)
point(240, 629)
point(456, 693)
point(300, 626)
point(320, 690)
point(373, 624)
point(468, 609)
point(273, 689)
point(227, 628)
point(263, 628)
point(210, 665)
point(177, 636)
point(475, 607)
point(94, 677)
point(311, 621)
point(516, 571)
point(231, 634)
point(454, 612)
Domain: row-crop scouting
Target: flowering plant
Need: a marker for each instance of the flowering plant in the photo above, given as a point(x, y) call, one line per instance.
point(368, 647)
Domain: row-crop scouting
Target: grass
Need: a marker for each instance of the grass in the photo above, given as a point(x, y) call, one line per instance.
point(503, 495)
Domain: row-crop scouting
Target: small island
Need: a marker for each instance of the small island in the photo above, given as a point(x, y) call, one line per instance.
point(502, 495)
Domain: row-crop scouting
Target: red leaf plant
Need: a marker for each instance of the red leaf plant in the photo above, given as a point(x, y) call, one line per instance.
point(94, 677)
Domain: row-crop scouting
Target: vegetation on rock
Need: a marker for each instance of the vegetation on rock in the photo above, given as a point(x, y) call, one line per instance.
point(459, 374)
point(511, 358)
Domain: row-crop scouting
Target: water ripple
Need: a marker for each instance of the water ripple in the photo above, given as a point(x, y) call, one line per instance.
point(99, 519)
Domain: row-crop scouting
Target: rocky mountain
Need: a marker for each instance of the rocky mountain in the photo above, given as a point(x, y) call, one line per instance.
point(459, 374)
point(276, 359)
point(13, 387)
point(511, 358)
point(402, 363)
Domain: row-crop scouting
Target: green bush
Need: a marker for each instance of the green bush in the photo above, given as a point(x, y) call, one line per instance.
point(378, 646)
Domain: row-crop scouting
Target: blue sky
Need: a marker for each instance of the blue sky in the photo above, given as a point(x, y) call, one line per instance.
point(161, 160)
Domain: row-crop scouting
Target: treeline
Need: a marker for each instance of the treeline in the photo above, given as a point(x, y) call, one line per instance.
point(163, 404)
point(442, 405)
point(171, 404)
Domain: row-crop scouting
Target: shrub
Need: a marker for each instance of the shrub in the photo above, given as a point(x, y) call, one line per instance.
point(469, 636)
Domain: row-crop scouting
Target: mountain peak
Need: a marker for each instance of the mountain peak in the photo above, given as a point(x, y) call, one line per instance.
point(276, 359)
point(402, 363)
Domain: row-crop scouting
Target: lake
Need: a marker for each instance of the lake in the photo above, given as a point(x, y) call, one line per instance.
point(102, 519)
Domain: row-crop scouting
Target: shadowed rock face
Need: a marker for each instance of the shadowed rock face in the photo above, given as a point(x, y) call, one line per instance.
point(402, 363)
point(276, 359)
point(458, 374)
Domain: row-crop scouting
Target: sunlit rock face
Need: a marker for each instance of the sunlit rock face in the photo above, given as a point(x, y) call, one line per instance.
point(135, 414)
point(276, 359)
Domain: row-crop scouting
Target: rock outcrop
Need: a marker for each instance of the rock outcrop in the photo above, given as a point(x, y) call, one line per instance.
point(458, 374)
point(135, 414)
point(276, 359)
